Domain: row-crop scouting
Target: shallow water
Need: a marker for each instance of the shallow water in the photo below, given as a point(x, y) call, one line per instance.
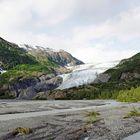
point(135, 136)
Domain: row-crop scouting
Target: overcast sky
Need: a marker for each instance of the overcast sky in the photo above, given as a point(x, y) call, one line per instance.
point(91, 30)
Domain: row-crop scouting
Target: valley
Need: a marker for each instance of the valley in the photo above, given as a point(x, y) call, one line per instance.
point(51, 95)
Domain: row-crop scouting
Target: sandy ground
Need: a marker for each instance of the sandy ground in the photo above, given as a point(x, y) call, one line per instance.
point(67, 120)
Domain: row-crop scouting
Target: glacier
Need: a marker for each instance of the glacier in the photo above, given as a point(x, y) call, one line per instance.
point(84, 74)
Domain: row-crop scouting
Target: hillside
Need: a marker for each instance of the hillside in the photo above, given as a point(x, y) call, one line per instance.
point(19, 63)
point(11, 55)
point(127, 69)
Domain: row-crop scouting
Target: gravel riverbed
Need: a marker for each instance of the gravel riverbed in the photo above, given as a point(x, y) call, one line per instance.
point(67, 120)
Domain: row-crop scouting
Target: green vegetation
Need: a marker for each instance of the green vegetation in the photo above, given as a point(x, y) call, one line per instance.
point(133, 113)
point(108, 90)
point(11, 55)
point(21, 130)
point(6, 96)
point(132, 95)
point(24, 71)
point(92, 114)
point(130, 65)
point(20, 64)
point(93, 117)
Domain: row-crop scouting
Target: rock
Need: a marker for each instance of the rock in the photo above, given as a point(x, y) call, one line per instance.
point(130, 76)
point(42, 86)
point(102, 78)
point(46, 77)
point(58, 94)
point(29, 88)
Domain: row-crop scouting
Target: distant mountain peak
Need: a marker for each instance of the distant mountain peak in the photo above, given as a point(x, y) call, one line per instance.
point(61, 57)
point(36, 47)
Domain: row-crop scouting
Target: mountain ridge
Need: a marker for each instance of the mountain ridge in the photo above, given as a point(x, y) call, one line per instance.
point(60, 57)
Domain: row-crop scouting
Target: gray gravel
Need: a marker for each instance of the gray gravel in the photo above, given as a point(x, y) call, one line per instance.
point(67, 120)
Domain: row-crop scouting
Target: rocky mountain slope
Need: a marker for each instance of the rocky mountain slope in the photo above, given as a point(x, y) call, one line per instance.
point(30, 70)
point(60, 57)
point(127, 69)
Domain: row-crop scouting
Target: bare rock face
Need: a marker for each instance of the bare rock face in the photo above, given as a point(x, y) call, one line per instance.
point(28, 89)
point(63, 58)
point(51, 95)
point(102, 78)
point(130, 76)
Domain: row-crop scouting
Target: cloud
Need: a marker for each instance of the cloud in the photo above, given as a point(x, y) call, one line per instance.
point(95, 40)
point(93, 31)
point(124, 27)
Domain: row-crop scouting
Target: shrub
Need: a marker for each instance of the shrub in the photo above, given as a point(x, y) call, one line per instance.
point(132, 95)
point(21, 130)
point(133, 113)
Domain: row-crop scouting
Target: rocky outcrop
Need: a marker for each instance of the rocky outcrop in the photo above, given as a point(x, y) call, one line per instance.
point(102, 78)
point(63, 58)
point(29, 88)
point(130, 76)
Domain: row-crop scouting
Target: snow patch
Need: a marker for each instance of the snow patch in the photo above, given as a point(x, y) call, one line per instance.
point(2, 71)
point(30, 47)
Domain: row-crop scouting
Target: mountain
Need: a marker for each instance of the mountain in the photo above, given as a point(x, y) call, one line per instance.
point(11, 55)
point(106, 85)
point(60, 57)
point(26, 70)
point(19, 63)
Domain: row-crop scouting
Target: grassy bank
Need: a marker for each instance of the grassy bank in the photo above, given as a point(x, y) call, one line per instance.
point(24, 71)
point(132, 95)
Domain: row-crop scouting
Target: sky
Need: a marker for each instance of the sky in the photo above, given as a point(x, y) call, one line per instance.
point(92, 30)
